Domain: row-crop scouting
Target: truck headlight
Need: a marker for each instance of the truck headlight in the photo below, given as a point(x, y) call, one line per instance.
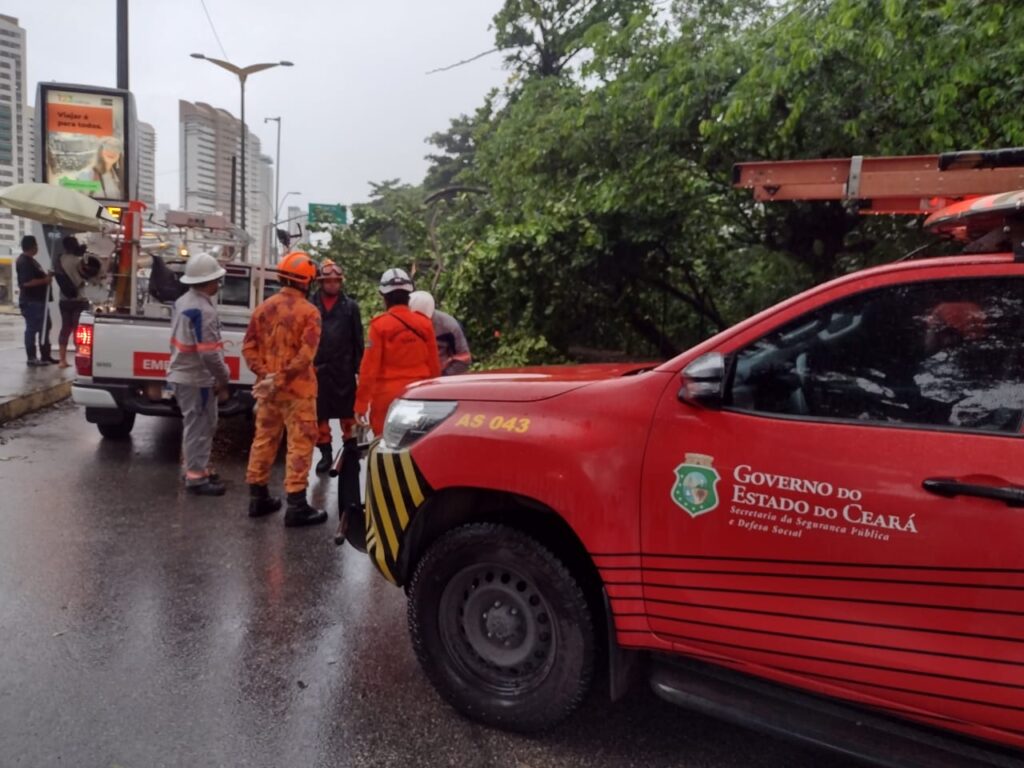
point(409, 420)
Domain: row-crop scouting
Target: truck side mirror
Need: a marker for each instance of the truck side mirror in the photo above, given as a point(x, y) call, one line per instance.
point(704, 381)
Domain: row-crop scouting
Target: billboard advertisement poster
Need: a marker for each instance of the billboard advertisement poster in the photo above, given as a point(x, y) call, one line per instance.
point(85, 140)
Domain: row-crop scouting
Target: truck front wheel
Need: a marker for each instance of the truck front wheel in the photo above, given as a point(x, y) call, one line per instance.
point(501, 627)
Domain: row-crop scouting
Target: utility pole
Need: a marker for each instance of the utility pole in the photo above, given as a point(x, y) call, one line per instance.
point(243, 201)
point(234, 186)
point(122, 44)
point(277, 172)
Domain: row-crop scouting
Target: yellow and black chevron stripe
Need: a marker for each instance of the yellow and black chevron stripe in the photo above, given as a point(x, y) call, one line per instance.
point(394, 491)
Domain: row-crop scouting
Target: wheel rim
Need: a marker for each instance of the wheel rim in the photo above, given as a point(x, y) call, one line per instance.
point(497, 628)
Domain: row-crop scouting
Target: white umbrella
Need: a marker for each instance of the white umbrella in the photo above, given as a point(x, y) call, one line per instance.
point(58, 206)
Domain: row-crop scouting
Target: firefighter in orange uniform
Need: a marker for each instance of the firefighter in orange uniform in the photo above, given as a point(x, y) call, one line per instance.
point(401, 349)
point(279, 348)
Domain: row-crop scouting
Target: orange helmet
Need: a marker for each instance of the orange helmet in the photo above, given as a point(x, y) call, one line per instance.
point(298, 268)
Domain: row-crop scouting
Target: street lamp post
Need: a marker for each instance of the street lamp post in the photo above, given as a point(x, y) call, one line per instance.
point(242, 73)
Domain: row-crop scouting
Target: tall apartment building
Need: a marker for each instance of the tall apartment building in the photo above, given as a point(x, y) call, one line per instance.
point(146, 138)
point(31, 140)
point(208, 138)
point(15, 127)
point(10, 141)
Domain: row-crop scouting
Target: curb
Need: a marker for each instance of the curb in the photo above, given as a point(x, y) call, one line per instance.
point(21, 405)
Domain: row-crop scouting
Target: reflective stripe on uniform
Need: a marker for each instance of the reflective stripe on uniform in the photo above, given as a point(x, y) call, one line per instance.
point(206, 346)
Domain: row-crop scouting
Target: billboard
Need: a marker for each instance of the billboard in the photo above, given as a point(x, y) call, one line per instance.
point(87, 135)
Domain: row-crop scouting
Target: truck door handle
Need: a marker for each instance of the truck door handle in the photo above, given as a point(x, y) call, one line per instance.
point(948, 488)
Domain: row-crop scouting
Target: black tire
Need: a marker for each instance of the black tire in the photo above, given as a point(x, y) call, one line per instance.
point(527, 659)
point(120, 430)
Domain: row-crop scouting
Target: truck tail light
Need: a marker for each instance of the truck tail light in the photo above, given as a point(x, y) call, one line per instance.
point(83, 349)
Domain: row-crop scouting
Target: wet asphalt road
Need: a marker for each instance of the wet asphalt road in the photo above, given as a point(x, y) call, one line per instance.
point(141, 628)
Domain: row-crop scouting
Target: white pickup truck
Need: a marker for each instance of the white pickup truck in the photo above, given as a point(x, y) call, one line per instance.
point(122, 359)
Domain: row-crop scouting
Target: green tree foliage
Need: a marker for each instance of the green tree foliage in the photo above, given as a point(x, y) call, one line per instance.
point(588, 211)
point(456, 151)
point(875, 77)
point(541, 38)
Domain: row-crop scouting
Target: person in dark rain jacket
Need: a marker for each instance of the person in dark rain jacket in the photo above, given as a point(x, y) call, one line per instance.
point(337, 361)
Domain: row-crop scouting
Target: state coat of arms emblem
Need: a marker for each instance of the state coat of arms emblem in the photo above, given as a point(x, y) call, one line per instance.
point(696, 486)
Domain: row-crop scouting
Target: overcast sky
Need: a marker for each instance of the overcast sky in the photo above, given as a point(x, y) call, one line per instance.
point(355, 108)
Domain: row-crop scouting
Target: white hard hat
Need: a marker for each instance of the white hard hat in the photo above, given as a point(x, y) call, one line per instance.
point(422, 302)
point(395, 280)
point(202, 268)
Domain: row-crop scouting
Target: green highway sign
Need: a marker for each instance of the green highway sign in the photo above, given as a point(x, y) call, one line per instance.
point(324, 213)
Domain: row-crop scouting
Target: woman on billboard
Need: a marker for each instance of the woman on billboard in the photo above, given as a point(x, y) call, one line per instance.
point(106, 169)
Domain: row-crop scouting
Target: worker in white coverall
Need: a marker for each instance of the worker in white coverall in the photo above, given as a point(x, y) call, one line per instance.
point(198, 371)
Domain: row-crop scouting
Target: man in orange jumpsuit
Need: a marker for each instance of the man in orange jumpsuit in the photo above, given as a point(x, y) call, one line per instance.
point(401, 349)
point(279, 348)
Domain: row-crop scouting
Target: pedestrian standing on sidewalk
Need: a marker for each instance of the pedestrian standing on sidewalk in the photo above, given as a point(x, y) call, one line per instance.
point(74, 270)
point(280, 345)
point(198, 371)
point(34, 285)
point(401, 349)
point(452, 346)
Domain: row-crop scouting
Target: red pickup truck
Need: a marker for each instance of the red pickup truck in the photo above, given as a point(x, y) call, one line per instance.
point(810, 523)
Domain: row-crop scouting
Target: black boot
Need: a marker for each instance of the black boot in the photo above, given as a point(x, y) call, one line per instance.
point(261, 502)
point(209, 488)
point(299, 512)
point(44, 355)
point(326, 459)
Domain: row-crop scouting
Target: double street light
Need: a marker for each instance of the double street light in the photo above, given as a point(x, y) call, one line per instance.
point(242, 73)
